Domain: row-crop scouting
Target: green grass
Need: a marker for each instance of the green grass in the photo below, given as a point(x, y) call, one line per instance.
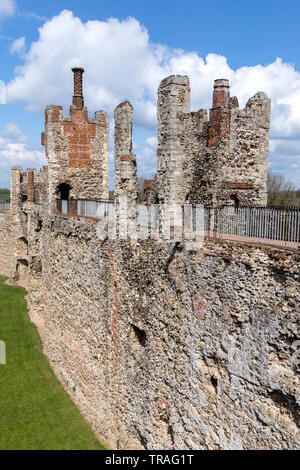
point(4, 197)
point(35, 411)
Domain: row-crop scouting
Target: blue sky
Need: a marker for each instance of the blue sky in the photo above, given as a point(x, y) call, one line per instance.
point(127, 47)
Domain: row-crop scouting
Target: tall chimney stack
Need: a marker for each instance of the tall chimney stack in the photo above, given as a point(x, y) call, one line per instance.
point(78, 96)
point(221, 93)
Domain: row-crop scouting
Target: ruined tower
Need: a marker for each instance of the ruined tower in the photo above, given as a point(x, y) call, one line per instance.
point(126, 185)
point(231, 164)
point(214, 161)
point(77, 150)
point(173, 98)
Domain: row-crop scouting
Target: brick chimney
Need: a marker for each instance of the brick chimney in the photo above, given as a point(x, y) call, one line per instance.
point(78, 102)
point(30, 185)
point(219, 116)
point(221, 93)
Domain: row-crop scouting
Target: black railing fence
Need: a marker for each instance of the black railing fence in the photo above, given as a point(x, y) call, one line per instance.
point(272, 226)
point(4, 206)
point(275, 226)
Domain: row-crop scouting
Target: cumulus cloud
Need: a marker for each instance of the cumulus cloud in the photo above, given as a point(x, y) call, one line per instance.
point(146, 157)
point(18, 46)
point(13, 133)
point(285, 158)
point(15, 150)
point(121, 63)
point(7, 8)
point(31, 15)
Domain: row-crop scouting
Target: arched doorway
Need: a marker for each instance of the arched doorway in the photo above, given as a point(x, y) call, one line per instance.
point(63, 191)
point(233, 200)
point(63, 195)
point(22, 272)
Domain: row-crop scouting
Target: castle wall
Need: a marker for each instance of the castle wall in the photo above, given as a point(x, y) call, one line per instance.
point(163, 348)
point(6, 243)
point(160, 347)
point(218, 161)
point(173, 98)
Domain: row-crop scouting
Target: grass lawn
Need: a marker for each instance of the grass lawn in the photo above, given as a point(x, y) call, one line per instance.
point(4, 197)
point(35, 411)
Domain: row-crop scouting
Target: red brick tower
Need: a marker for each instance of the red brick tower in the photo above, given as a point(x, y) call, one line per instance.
point(76, 149)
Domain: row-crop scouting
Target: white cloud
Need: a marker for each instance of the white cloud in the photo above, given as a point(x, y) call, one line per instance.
point(18, 46)
point(31, 15)
point(121, 63)
point(15, 150)
point(7, 8)
point(13, 133)
point(152, 142)
point(146, 157)
point(2, 92)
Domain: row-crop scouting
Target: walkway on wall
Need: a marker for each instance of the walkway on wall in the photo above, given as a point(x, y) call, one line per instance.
point(278, 227)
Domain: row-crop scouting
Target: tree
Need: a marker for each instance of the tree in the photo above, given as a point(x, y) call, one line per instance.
point(281, 192)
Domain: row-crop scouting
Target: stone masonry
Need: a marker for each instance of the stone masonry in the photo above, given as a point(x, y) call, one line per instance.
point(159, 346)
point(220, 161)
point(126, 184)
point(76, 149)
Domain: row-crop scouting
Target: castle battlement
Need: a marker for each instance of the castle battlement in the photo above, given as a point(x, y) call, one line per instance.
point(161, 342)
point(216, 158)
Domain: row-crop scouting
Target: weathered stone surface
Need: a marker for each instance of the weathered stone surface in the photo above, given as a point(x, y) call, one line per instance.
point(126, 184)
point(173, 349)
point(196, 156)
point(161, 347)
point(76, 149)
point(7, 241)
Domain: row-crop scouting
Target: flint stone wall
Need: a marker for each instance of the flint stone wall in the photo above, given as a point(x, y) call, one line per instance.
point(6, 243)
point(163, 348)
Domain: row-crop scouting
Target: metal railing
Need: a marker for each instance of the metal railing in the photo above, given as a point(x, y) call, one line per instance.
point(97, 209)
point(266, 225)
point(4, 206)
point(85, 207)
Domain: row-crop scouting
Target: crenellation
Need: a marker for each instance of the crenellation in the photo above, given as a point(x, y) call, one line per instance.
point(159, 345)
point(215, 160)
point(126, 184)
point(173, 100)
point(77, 149)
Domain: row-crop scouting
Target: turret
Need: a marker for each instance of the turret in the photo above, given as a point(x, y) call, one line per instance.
point(77, 149)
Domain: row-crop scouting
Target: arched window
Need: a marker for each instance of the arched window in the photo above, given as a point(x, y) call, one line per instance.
point(234, 200)
point(63, 191)
point(22, 272)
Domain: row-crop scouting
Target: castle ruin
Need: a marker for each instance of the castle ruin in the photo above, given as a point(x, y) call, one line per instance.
point(159, 346)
